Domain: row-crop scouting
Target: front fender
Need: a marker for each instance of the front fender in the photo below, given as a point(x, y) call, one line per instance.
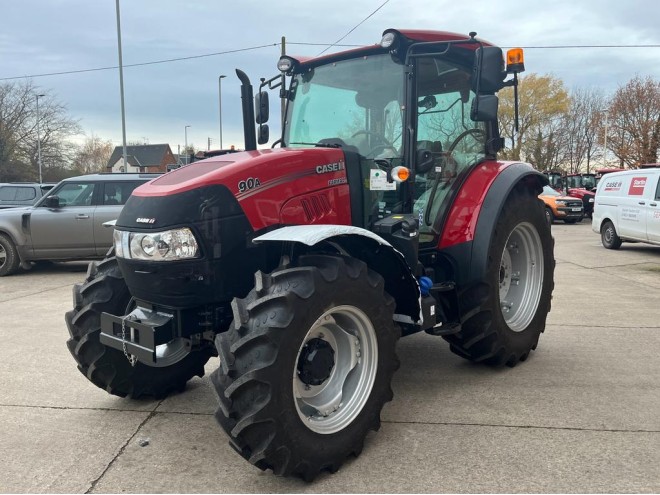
point(362, 244)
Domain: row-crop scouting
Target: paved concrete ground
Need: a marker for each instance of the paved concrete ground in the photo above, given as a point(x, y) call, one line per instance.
point(581, 415)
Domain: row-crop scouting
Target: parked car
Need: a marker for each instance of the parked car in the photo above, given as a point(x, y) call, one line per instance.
point(13, 194)
point(67, 223)
point(628, 207)
point(558, 207)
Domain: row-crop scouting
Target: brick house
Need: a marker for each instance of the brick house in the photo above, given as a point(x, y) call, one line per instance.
point(142, 158)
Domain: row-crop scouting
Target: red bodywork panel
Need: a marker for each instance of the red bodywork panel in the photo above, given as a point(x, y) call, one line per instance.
point(308, 186)
point(461, 222)
point(277, 186)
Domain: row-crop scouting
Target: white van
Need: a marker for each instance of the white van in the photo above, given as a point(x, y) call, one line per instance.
point(627, 207)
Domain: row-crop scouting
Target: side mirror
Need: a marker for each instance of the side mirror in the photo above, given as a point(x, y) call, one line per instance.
point(261, 107)
point(263, 134)
point(52, 202)
point(424, 161)
point(488, 70)
point(484, 108)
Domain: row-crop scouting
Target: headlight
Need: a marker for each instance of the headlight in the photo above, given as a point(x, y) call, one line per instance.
point(561, 203)
point(171, 245)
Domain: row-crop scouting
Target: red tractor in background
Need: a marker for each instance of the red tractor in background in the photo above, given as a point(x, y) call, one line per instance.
point(384, 212)
point(582, 186)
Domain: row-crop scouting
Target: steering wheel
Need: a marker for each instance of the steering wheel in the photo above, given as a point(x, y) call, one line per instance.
point(476, 132)
point(384, 143)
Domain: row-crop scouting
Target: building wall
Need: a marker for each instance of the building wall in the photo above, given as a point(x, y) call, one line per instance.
point(118, 167)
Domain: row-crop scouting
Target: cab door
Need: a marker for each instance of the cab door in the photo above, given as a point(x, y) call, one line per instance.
point(653, 212)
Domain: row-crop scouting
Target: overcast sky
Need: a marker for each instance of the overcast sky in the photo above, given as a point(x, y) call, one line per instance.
point(47, 36)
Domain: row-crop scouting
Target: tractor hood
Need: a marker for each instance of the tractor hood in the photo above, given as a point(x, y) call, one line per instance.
point(255, 183)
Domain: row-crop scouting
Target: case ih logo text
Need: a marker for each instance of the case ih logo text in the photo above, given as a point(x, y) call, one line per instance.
point(613, 185)
point(330, 167)
point(145, 220)
point(637, 186)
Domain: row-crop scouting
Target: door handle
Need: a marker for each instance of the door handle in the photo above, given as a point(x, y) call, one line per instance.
point(642, 203)
point(81, 216)
point(653, 204)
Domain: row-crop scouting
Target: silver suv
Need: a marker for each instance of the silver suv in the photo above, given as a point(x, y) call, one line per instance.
point(67, 223)
point(14, 194)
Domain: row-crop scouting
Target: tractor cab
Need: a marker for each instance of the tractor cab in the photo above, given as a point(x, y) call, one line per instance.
point(412, 115)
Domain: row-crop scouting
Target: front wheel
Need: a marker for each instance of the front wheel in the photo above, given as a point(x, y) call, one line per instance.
point(104, 290)
point(609, 237)
point(307, 366)
point(503, 315)
point(9, 259)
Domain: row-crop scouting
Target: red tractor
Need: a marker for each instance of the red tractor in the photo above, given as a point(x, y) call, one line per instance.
point(383, 212)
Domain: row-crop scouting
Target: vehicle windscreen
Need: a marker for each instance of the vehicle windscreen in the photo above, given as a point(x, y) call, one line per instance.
point(357, 101)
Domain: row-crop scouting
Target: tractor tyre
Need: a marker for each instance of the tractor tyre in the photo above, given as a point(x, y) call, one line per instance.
point(104, 290)
point(609, 237)
point(503, 316)
point(9, 259)
point(549, 216)
point(306, 368)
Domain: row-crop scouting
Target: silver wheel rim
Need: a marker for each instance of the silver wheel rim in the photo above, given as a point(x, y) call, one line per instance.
point(521, 276)
point(331, 406)
point(166, 354)
point(609, 234)
point(3, 256)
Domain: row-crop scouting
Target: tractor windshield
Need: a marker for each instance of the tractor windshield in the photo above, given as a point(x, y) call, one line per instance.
point(356, 102)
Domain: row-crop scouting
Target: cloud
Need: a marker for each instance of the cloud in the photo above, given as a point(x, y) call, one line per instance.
point(66, 35)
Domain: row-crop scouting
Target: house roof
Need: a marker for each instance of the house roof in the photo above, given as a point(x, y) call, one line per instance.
point(146, 155)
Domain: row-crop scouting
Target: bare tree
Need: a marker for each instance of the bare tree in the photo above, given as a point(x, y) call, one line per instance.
point(580, 128)
point(18, 133)
point(634, 122)
point(92, 156)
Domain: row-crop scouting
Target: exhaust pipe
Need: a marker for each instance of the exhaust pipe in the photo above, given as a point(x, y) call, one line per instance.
point(247, 103)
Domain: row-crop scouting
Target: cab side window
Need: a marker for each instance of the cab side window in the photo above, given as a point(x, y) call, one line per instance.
point(657, 190)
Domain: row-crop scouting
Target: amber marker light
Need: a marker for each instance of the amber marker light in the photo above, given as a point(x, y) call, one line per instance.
point(515, 60)
point(400, 174)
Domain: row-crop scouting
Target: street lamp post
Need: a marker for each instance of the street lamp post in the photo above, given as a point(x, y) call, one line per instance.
point(220, 104)
point(121, 89)
point(185, 149)
point(605, 111)
point(39, 140)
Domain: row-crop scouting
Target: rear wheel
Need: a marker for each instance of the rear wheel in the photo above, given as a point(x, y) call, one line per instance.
point(609, 237)
point(104, 290)
point(307, 366)
point(9, 260)
point(503, 316)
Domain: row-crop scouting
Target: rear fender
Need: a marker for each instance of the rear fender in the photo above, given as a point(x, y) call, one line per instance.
point(473, 251)
point(364, 245)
